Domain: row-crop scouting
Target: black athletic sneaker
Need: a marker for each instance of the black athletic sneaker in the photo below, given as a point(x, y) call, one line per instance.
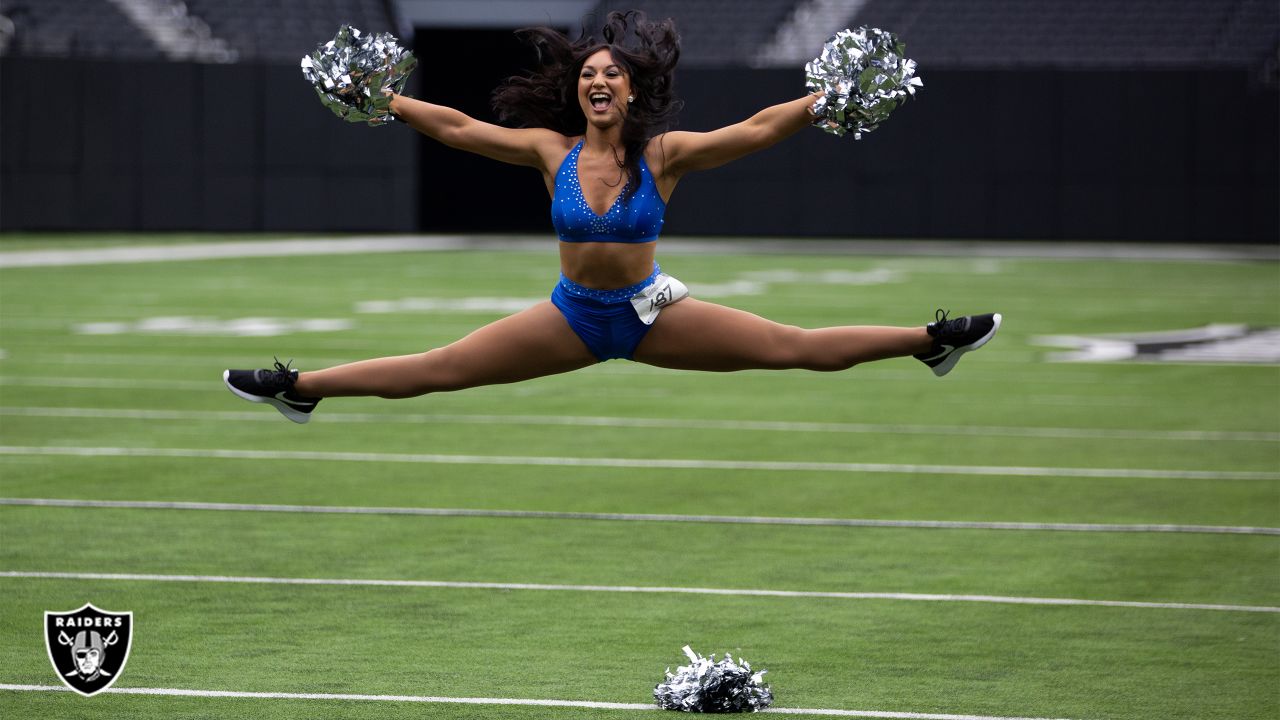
point(953, 338)
point(272, 386)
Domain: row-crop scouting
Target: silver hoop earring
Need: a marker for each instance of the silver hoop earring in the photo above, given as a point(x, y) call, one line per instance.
point(631, 98)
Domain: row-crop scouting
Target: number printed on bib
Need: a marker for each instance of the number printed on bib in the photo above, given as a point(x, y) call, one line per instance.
point(664, 291)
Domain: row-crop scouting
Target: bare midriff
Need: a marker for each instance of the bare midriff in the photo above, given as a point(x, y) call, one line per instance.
point(607, 265)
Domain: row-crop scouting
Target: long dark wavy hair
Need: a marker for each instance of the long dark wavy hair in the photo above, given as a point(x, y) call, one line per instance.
point(547, 97)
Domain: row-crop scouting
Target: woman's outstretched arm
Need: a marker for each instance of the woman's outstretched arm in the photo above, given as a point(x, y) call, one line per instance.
point(518, 146)
point(689, 151)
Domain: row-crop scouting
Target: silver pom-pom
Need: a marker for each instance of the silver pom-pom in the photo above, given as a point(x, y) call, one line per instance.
point(865, 76)
point(353, 72)
point(707, 686)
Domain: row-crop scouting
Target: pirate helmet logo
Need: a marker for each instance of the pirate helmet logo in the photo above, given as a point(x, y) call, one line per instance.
point(88, 647)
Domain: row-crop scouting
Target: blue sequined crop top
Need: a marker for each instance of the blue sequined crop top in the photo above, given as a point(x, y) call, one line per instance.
point(638, 220)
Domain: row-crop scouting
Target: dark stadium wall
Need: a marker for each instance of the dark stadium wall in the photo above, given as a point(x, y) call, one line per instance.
point(113, 145)
point(460, 191)
point(1145, 156)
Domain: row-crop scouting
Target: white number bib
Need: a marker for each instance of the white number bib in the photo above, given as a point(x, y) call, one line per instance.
point(664, 291)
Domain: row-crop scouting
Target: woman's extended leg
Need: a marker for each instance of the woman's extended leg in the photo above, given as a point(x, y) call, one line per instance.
point(696, 335)
point(529, 344)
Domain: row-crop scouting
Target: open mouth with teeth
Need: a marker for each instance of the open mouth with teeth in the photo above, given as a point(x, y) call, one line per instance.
point(600, 101)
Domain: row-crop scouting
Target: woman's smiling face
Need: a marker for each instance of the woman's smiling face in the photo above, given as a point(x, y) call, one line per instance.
point(603, 89)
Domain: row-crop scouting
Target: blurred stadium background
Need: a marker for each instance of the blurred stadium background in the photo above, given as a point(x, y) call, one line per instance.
point(1028, 538)
point(1092, 120)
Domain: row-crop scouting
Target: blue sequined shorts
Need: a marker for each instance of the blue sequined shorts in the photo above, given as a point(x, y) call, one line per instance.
point(604, 319)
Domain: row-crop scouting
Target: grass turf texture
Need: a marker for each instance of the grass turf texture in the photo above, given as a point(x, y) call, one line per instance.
point(1000, 660)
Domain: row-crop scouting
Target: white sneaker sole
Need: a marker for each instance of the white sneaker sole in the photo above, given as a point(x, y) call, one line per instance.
point(945, 366)
point(284, 408)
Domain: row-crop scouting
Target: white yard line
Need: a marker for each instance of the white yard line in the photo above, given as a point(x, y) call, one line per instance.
point(604, 373)
point(1059, 433)
point(636, 517)
point(739, 592)
point(180, 252)
point(152, 360)
point(640, 463)
point(183, 692)
point(109, 383)
point(1082, 376)
point(670, 245)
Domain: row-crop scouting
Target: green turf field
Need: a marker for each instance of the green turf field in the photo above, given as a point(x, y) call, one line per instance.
point(110, 390)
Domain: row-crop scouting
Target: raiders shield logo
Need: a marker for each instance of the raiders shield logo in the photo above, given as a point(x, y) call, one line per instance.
point(88, 647)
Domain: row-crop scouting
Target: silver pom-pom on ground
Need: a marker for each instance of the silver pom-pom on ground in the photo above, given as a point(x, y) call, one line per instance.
point(707, 686)
point(865, 76)
point(353, 72)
